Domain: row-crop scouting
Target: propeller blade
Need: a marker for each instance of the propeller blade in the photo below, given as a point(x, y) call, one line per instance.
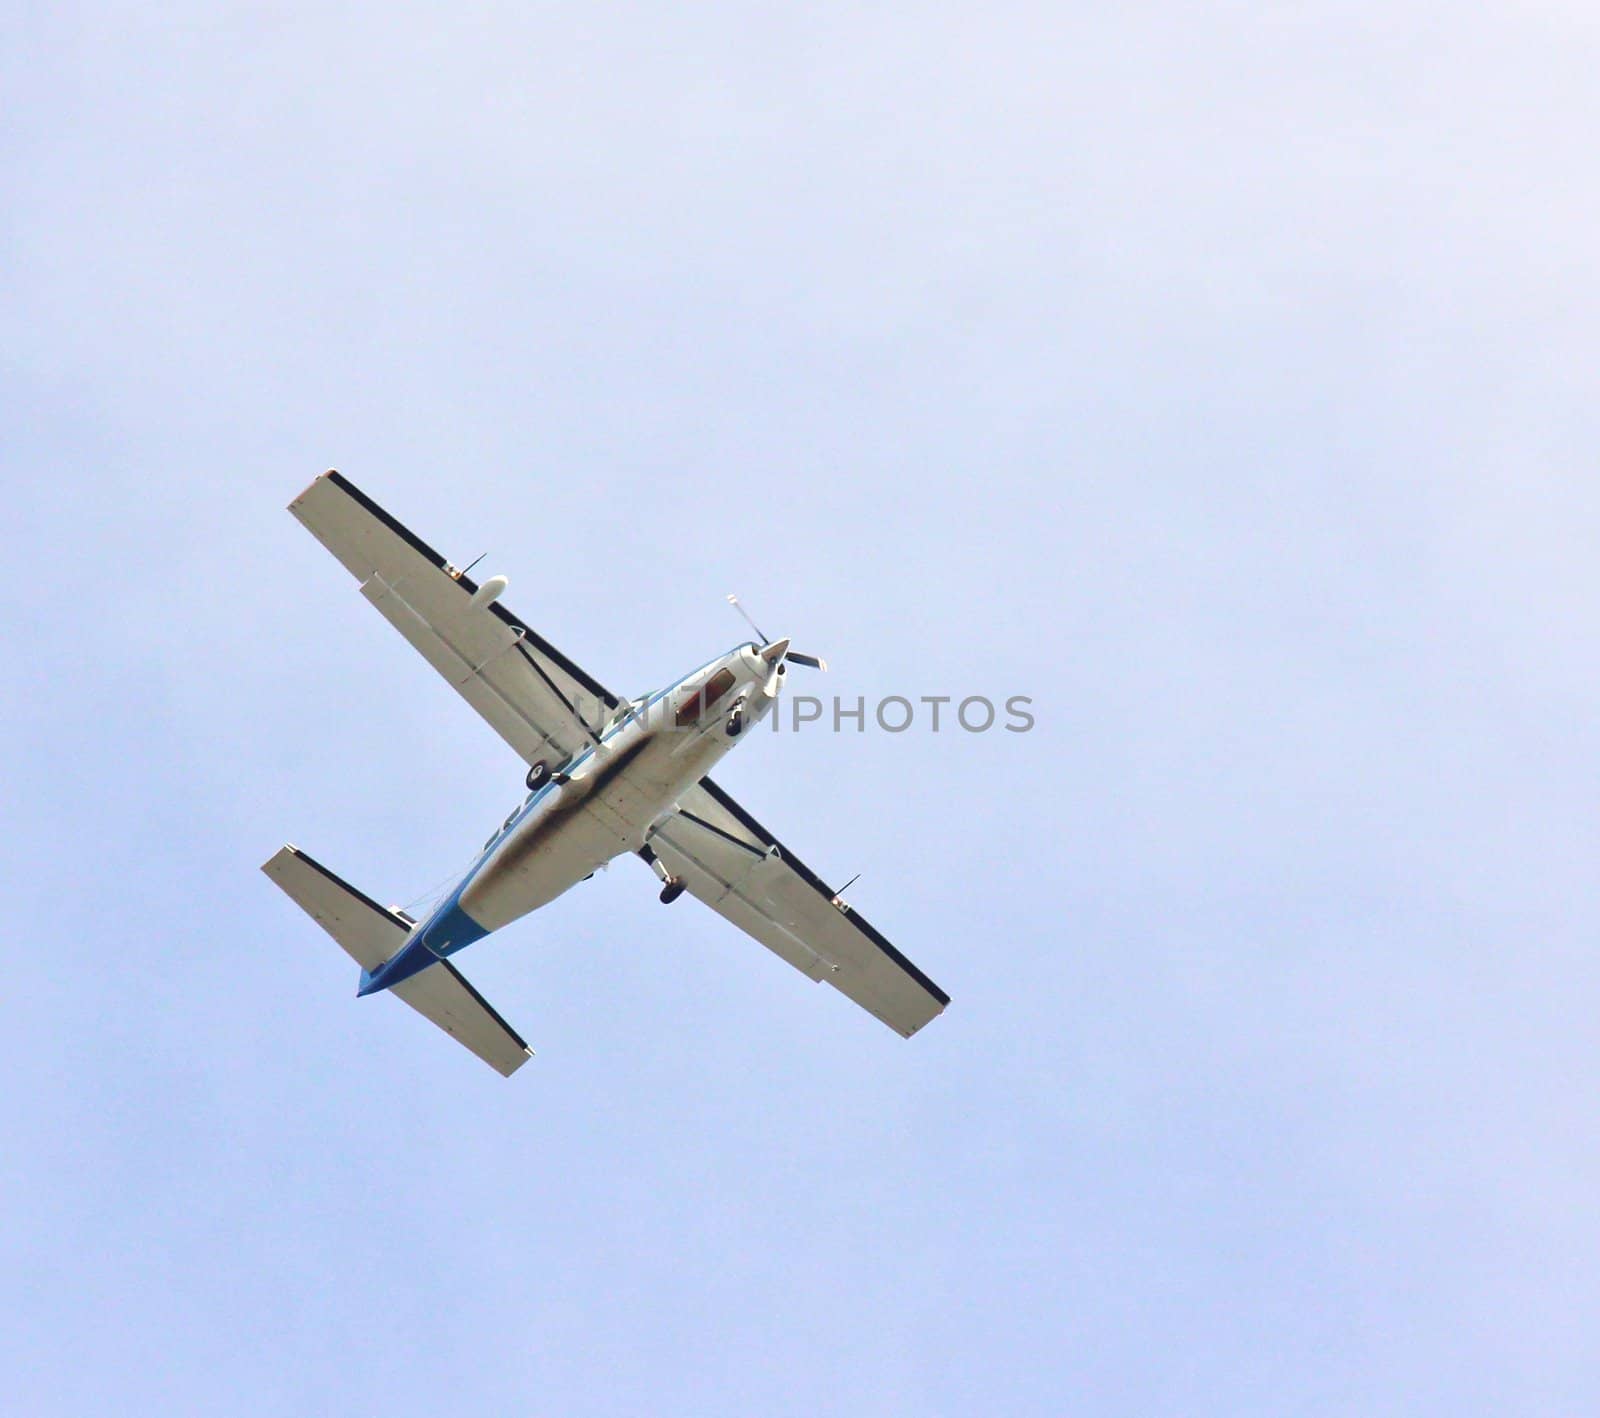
point(776, 651)
point(734, 602)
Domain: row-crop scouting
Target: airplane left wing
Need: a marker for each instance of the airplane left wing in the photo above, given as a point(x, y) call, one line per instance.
point(739, 869)
point(531, 694)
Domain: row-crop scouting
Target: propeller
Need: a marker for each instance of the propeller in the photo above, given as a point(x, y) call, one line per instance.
point(733, 601)
point(777, 652)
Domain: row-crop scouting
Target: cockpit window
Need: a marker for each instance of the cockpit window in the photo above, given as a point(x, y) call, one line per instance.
point(705, 698)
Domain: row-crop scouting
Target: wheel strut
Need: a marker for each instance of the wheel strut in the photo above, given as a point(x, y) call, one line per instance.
point(672, 887)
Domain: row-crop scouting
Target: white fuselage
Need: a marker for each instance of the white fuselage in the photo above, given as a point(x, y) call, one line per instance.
point(607, 800)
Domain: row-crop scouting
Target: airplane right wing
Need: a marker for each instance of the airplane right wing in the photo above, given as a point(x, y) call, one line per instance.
point(731, 862)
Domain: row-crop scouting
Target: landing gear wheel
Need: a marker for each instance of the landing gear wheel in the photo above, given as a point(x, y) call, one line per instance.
point(736, 722)
point(672, 890)
point(538, 776)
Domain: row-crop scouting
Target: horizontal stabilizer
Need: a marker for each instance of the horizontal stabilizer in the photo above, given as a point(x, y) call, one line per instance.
point(366, 932)
point(369, 934)
point(441, 993)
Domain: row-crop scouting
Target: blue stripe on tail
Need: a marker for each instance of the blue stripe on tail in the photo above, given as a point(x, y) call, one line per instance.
point(448, 930)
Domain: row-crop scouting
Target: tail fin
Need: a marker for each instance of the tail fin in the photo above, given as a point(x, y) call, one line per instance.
point(369, 934)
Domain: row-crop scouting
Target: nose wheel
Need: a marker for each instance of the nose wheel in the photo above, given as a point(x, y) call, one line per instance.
point(672, 890)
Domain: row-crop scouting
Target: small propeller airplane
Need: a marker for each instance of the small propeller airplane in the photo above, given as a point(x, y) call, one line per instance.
point(606, 776)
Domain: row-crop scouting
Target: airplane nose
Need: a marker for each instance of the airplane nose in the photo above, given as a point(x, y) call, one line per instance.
point(775, 651)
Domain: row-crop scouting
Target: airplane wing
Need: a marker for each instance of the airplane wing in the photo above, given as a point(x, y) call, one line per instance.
point(532, 695)
point(739, 869)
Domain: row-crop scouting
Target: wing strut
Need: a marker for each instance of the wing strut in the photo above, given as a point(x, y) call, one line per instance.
point(550, 684)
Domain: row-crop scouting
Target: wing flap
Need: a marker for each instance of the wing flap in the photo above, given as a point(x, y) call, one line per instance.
point(734, 865)
point(470, 652)
point(737, 899)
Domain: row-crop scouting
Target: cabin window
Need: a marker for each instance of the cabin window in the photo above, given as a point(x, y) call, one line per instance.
point(705, 697)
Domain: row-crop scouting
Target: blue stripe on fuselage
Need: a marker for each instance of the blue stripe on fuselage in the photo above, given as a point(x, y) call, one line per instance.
point(448, 930)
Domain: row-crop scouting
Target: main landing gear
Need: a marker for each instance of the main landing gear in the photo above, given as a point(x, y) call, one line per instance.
point(672, 887)
point(538, 776)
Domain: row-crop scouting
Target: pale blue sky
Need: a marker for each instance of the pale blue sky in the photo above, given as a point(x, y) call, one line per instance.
point(1222, 377)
